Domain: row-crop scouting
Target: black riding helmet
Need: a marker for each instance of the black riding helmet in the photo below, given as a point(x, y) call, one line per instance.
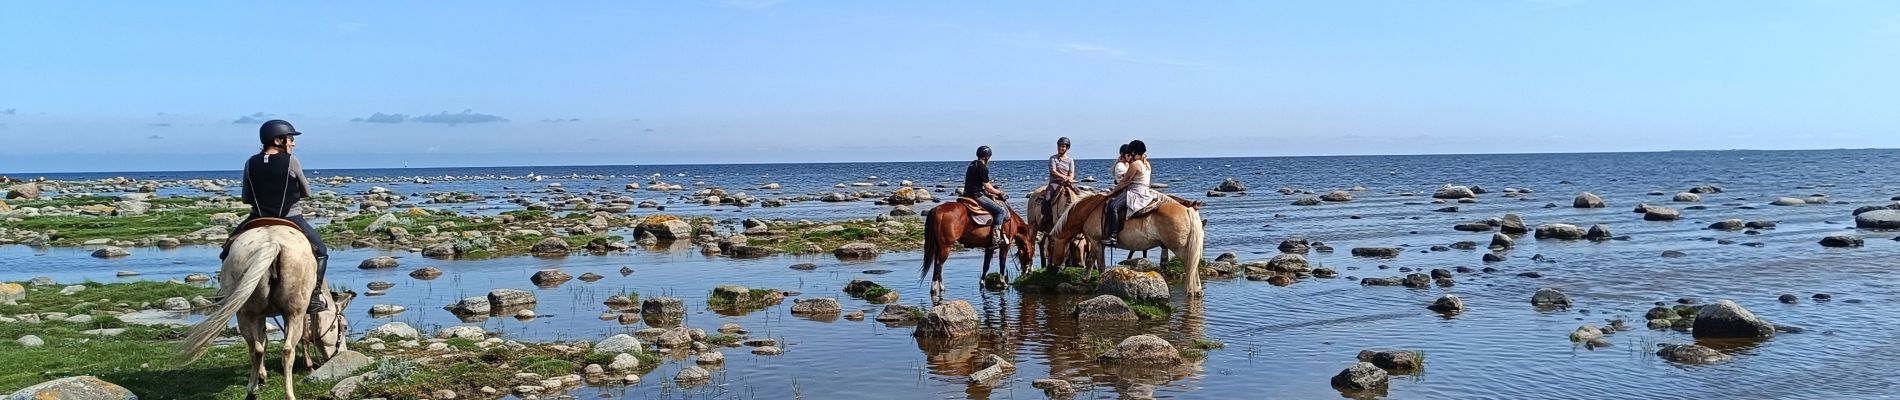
point(275, 128)
point(1064, 141)
point(1123, 151)
point(983, 152)
point(1137, 148)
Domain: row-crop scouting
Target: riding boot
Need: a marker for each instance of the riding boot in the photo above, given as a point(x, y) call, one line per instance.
point(316, 297)
point(996, 235)
point(1048, 216)
point(1111, 229)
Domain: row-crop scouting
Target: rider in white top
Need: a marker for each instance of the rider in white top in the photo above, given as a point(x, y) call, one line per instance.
point(1132, 193)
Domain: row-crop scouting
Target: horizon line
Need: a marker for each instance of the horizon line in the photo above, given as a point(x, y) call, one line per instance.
point(939, 161)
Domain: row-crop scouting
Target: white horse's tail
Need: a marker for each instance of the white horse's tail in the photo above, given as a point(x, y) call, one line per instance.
point(254, 256)
point(1191, 256)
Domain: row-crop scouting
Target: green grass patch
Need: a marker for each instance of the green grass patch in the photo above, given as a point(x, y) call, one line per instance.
point(1046, 281)
point(99, 296)
point(550, 367)
point(462, 343)
point(72, 230)
point(1192, 354)
point(876, 292)
point(752, 299)
point(723, 340)
point(800, 238)
point(527, 215)
point(68, 201)
point(177, 201)
point(139, 359)
point(1207, 344)
point(1151, 310)
point(1100, 346)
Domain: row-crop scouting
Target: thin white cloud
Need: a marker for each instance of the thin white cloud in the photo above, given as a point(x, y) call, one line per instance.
point(348, 28)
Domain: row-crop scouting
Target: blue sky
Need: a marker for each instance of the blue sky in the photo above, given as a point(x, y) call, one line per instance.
point(178, 86)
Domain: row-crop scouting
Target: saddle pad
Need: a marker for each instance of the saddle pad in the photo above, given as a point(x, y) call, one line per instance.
point(972, 206)
point(981, 219)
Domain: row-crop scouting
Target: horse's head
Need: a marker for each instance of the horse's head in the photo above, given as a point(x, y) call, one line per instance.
point(1025, 238)
point(330, 329)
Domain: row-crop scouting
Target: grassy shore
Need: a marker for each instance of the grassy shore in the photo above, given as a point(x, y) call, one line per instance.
point(141, 357)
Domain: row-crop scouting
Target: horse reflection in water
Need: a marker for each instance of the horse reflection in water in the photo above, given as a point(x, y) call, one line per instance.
point(1043, 329)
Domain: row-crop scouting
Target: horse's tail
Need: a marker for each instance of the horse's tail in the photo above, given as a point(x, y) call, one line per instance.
point(254, 264)
point(1191, 254)
point(930, 243)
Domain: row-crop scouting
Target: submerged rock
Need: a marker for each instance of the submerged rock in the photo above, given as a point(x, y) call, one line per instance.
point(1142, 349)
point(1449, 304)
point(1842, 241)
point(1691, 354)
point(1587, 200)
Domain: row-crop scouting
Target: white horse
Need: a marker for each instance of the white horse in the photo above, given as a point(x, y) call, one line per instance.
point(252, 291)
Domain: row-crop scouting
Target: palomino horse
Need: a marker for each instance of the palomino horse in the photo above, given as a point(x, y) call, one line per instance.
point(1173, 226)
point(950, 223)
point(1056, 207)
point(253, 290)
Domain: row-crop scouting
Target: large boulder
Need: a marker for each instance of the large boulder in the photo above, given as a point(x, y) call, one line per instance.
point(1501, 241)
point(1231, 185)
point(396, 329)
point(1361, 376)
point(471, 306)
point(341, 365)
point(110, 252)
point(1842, 241)
point(815, 306)
point(1512, 224)
point(1725, 319)
point(620, 343)
point(1337, 196)
point(1131, 284)
point(1548, 297)
point(1687, 197)
point(84, 387)
point(507, 298)
point(1453, 193)
point(1587, 200)
point(1142, 349)
point(663, 307)
point(1559, 232)
point(1732, 224)
point(1598, 232)
point(1288, 263)
point(1878, 219)
point(1294, 245)
point(1104, 308)
point(671, 229)
point(859, 250)
point(550, 245)
point(1661, 214)
point(549, 277)
point(11, 293)
point(951, 319)
point(1449, 303)
point(378, 262)
point(439, 250)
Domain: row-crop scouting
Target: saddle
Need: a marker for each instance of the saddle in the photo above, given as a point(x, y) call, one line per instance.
point(978, 215)
point(258, 222)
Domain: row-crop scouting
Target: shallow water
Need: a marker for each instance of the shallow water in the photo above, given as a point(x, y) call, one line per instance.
point(1281, 342)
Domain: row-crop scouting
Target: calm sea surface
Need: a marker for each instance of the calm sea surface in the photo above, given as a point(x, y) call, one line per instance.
point(1281, 342)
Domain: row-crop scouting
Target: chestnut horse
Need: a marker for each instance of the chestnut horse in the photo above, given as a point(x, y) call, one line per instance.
point(1173, 226)
point(949, 224)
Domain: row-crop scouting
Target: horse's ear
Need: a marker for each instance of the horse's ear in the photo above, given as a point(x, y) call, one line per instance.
point(343, 298)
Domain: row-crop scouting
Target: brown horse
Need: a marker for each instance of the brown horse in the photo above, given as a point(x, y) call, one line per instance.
point(1173, 226)
point(949, 223)
point(270, 272)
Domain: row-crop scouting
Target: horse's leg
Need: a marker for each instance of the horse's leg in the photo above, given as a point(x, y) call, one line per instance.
point(252, 328)
point(292, 336)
